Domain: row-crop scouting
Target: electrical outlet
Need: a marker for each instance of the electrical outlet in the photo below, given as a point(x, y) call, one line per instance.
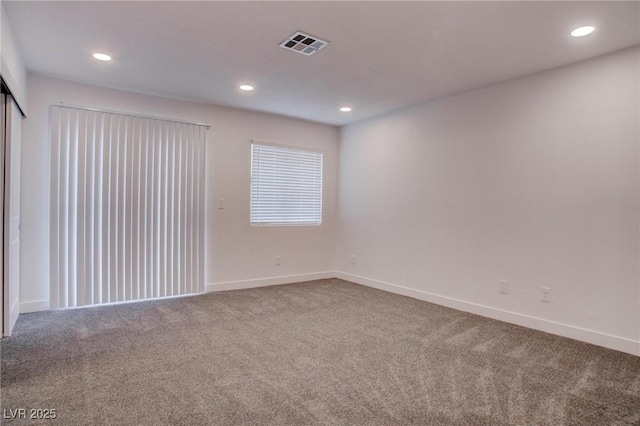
point(221, 203)
point(503, 287)
point(278, 260)
point(353, 259)
point(546, 294)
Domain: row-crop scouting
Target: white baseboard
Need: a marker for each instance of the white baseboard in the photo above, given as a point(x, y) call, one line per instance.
point(618, 343)
point(589, 336)
point(34, 306)
point(264, 282)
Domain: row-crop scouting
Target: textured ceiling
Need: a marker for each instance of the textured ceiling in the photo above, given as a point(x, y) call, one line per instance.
point(382, 55)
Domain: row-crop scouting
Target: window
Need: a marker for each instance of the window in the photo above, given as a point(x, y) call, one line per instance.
point(286, 186)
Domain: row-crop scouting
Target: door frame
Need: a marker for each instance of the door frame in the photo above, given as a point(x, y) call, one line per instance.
point(10, 271)
point(3, 115)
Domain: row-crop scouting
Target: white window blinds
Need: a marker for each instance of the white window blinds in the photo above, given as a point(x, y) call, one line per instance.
point(127, 207)
point(286, 186)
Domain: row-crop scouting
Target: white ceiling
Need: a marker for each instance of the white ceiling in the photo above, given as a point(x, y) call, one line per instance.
point(382, 55)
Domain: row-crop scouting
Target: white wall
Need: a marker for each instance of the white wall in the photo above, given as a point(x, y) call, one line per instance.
point(238, 254)
point(12, 66)
point(534, 181)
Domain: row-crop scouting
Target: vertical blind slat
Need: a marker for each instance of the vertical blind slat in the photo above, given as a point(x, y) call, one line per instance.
point(177, 231)
point(81, 207)
point(65, 210)
point(189, 233)
point(171, 207)
point(127, 207)
point(163, 212)
point(54, 129)
point(201, 182)
point(138, 170)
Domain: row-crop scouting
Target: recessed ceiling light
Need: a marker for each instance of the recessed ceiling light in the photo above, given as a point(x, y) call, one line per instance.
point(345, 109)
point(102, 56)
point(582, 31)
point(246, 87)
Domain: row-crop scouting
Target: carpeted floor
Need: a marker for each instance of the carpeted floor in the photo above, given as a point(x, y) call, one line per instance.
point(322, 352)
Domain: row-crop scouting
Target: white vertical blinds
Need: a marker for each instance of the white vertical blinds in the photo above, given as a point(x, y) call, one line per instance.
point(127, 207)
point(286, 186)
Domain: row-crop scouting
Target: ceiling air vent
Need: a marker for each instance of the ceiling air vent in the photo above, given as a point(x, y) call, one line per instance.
point(303, 43)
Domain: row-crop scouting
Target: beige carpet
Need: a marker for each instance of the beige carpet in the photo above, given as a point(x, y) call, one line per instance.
point(323, 352)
